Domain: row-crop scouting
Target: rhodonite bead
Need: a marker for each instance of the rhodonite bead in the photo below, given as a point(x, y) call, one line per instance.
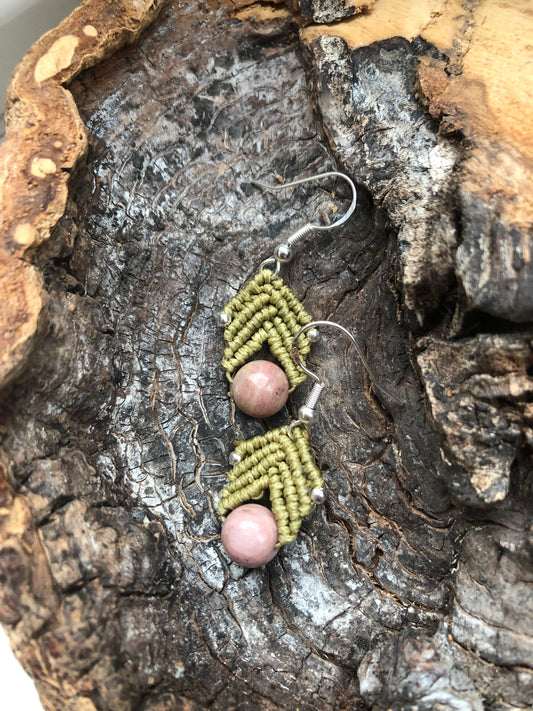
point(260, 388)
point(249, 535)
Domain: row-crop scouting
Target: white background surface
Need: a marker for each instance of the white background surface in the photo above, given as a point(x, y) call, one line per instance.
point(17, 689)
point(21, 23)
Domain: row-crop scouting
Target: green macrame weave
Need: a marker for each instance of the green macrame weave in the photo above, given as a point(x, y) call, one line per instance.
point(283, 464)
point(265, 311)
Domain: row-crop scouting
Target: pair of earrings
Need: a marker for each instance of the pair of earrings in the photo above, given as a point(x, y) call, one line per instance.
point(267, 313)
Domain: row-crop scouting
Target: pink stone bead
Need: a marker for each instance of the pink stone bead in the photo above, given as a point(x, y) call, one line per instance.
point(249, 535)
point(260, 388)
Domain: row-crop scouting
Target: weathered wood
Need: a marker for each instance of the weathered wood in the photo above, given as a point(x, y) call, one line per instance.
point(45, 138)
point(473, 181)
point(412, 585)
point(324, 11)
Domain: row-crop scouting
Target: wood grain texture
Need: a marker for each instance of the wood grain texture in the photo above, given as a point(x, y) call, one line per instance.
point(412, 585)
point(45, 138)
point(473, 83)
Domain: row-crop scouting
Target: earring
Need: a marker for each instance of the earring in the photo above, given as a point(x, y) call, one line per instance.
point(281, 462)
point(267, 313)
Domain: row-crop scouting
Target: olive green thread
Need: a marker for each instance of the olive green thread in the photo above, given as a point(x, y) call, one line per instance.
point(265, 311)
point(283, 464)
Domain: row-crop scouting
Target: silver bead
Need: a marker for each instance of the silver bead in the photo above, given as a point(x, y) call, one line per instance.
point(318, 495)
point(223, 319)
point(283, 253)
point(306, 414)
point(313, 334)
point(234, 458)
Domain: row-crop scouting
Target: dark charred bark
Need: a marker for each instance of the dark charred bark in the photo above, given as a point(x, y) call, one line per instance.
point(412, 586)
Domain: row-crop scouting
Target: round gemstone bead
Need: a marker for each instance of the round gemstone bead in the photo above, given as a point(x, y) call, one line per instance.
point(249, 535)
point(260, 388)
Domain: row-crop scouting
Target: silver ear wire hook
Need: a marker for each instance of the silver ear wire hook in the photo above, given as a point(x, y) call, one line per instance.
point(283, 252)
point(307, 411)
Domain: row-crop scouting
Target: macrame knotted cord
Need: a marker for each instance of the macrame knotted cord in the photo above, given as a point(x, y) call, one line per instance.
point(265, 311)
point(283, 464)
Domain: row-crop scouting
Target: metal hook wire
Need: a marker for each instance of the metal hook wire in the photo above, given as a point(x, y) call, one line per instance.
point(331, 173)
point(319, 384)
point(283, 251)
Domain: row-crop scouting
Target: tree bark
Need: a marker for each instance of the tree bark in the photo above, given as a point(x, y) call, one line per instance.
point(126, 227)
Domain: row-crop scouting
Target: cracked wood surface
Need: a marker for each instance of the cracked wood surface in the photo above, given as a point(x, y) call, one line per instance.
point(412, 585)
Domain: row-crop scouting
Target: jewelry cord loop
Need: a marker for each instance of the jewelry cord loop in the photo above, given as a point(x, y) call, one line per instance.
point(271, 263)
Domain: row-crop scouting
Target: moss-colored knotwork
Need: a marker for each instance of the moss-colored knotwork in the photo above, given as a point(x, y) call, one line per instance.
point(265, 311)
point(282, 463)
